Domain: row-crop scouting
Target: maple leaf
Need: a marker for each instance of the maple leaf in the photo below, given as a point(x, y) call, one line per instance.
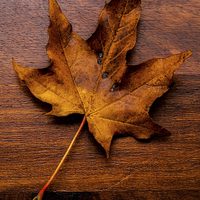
point(91, 77)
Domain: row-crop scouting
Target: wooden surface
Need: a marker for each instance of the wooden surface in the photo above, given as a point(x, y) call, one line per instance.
point(32, 144)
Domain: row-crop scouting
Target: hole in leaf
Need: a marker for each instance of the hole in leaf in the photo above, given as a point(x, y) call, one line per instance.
point(105, 75)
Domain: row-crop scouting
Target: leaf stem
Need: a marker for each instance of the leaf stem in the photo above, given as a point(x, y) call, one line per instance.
point(41, 193)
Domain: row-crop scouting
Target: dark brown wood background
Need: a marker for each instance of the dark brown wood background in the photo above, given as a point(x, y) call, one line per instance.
point(32, 144)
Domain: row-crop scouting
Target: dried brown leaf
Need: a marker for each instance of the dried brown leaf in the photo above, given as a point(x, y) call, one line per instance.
point(91, 76)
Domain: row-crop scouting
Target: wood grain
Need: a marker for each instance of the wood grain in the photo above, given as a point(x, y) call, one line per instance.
point(32, 143)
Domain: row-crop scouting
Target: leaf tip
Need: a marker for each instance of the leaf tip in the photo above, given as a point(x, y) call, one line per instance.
point(15, 65)
point(182, 57)
point(20, 70)
point(176, 60)
point(13, 61)
point(186, 54)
